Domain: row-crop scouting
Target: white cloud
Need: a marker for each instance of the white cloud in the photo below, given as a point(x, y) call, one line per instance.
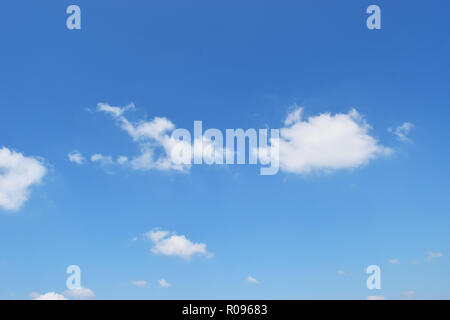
point(48, 296)
point(17, 174)
point(80, 293)
point(394, 261)
point(139, 283)
point(402, 131)
point(76, 157)
point(409, 294)
point(104, 160)
point(171, 244)
point(376, 298)
point(433, 255)
point(163, 283)
point(326, 142)
point(341, 272)
point(122, 160)
point(153, 138)
point(250, 279)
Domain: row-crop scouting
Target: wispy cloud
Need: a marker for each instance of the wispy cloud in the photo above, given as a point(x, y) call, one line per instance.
point(75, 157)
point(139, 283)
point(250, 279)
point(433, 255)
point(402, 131)
point(163, 283)
point(80, 293)
point(394, 261)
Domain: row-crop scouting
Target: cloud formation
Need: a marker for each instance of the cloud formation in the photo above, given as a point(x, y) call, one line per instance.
point(153, 138)
point(394, 261)
point(48, 296)
point(326, 142)
point(433, 255)
point(163, 283)
point(250, 279)
point(17, 174)
point(139, 283)
point(402, 131)
point(75, 157)
point(171, 244)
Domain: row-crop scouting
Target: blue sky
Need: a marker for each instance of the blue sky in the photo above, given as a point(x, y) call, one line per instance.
point(233, 64)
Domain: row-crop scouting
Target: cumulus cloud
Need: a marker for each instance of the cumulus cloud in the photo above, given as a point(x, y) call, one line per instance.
point(153, 138)
point(341, 272)
point(139, 283)
point(394, 261)
point(76, 157)
point(326, 142)
point(250, 279)
point(402, 131)
point(17, 174)
point(171, 244)
point(433, 255)
point(47, 296)
point(163, 283)
point(80, 293)
point(376, 298)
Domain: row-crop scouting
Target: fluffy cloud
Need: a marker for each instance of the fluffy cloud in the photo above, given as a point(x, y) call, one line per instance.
point(80, 293)
point(341, 272)
point(433, 255)
point(376, 298)
point(250, 279)
point(139, 283)
point(153, 138)
point(402, 131)
point(326, 142)
point(48, 296)
point(394, 261)
point(17, 174)
point(171, 244)
point(76, 157)
point(163, 283)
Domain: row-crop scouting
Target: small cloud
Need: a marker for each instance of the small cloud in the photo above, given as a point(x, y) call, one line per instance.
point(163, 283)
point(394, 261)
point(341, 272)
point(171, 244)
point(409, 294)
point(434, 255)
point(80, 293)
point(18, 174)
point(402, 131)
point(139, 283)
point(250, 279)
point(376, 298)
point(48, 296)
point(122, 160)
point(415, 262)
point(76, 157)
point(103, 160)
